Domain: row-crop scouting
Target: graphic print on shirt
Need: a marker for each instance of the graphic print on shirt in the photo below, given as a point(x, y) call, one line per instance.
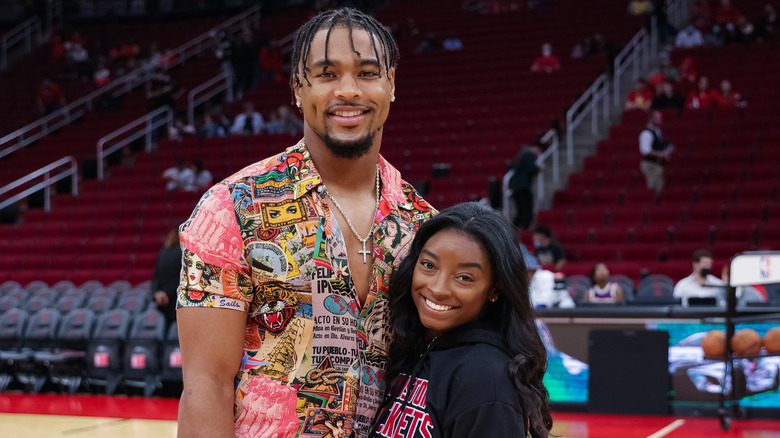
point(408, 418)
point(326, 423)
point(269, 246)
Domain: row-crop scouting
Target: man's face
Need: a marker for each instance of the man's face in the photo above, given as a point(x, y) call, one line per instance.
point(656, 118)
point(347, 104)
point(703, 263)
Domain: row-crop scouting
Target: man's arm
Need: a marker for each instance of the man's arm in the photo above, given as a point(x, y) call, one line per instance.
point(212, 343)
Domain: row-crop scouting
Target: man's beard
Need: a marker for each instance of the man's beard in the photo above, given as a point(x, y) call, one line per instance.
point(353, 149)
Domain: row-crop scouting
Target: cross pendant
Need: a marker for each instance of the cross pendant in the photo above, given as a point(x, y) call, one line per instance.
point(365, 252)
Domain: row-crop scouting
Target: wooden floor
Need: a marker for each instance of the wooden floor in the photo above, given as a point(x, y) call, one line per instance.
point(86, 416)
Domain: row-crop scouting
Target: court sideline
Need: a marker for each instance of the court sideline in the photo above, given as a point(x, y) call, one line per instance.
point(87, 416)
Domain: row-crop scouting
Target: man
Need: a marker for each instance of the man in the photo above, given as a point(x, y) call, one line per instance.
point(283, 299)
point(523, 171)
point(542, 286)
point(701, 283)
point(655, 152)
point(547, 251)
point(249, 122)
point(688, 38)
point(667, 98)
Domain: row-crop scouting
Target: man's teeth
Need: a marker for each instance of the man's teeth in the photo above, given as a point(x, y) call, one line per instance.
point(435, 306)
point(348, 113)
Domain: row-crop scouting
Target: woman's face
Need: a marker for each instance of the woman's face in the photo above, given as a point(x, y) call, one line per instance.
point(194, 269)
point(451, 283)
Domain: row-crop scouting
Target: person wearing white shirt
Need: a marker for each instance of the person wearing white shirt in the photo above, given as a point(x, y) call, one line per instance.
point(542, 286)
point(655, 152)
point(701, 283)
point(688, 38)
point(180, 177)
point(249, 122)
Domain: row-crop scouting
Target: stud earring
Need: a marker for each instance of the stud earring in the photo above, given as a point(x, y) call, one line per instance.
point(392, 99)
point(493, 299)
point(298, 104)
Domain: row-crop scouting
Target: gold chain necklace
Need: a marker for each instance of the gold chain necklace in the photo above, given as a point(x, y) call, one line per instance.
point(362, 240)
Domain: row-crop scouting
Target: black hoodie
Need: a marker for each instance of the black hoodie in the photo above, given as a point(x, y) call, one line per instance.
point(461, 388)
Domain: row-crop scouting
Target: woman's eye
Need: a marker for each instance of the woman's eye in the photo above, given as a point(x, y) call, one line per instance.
point(465, 278)
point(426, 264)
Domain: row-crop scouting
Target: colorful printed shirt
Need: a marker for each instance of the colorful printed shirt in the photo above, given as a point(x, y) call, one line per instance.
point(264, 242)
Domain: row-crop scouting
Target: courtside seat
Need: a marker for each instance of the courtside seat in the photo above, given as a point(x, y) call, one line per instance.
point(105, 349)
point(39, 336)
point(142, 358)
point(65, 366)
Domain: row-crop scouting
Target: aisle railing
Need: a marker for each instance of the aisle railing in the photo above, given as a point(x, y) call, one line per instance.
point(48, 180)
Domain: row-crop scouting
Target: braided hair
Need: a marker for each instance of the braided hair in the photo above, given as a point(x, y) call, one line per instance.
point(343, 17)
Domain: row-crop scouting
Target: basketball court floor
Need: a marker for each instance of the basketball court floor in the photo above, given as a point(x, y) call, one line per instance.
point(87, 416)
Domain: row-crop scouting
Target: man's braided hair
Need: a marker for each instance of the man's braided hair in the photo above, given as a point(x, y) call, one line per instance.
point(343, 17)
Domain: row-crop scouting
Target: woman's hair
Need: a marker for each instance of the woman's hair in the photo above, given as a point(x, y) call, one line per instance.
point(511, 313)
point(172, 239)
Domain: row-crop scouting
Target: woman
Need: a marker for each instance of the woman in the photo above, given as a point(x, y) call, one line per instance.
point(166, 275)
point(465, 333)
point(603, 291)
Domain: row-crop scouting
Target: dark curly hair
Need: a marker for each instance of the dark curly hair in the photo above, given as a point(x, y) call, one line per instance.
point(342, 17)
point(511, 314)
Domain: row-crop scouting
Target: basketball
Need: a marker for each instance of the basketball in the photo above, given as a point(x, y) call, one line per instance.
point(714, 344)
point(772, 340)
point(746, 341)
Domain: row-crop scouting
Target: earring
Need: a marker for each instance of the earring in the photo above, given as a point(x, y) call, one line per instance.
point(392, 99)
point(493, 299)
point(298, 104)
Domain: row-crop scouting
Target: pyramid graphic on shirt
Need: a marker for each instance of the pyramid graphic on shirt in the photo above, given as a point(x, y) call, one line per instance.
point(323, 379)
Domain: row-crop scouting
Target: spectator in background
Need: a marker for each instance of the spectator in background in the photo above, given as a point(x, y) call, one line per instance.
point(160, 91)
point(102, 75)
point(78, 63)
point(667, 98)
point(731, 97)
point(180, 177)
point(243, 57)
point(664, 72)
point(452, 43)
point(166, 275)
point(688, 38)
point(211, 128)
point(430, 44)
point(289, 123)
point(546, 63)
point(203, 178)
point(57, 48)
point(523, 171)
point(640, 8)
point(542, 286)
point(727, 18)
point(49, 97)
point(272, 61)
point(701, 283)
point(655, 152)
point(546, 250)
point(704, 96)
point(603, 291)
point(700, 13)
point(641, 97)
point(180, 129)
point(688, 71)
point(249, 122)
point(766, 26)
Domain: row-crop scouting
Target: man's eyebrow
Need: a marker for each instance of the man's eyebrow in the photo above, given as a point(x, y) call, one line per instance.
point(322, 63)
point(370, 61)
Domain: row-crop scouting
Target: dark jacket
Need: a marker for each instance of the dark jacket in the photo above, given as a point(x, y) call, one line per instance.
point(525, 169)
point(462, 389)
point(166, 278)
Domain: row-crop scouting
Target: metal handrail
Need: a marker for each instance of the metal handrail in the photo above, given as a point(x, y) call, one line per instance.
point(152, 122)
point(629, 55)
point(552, 136)
point(22, 33)
point(551, 150)
point(584, 106)
point(223, 82)
point(120, 85)
point(46, 184)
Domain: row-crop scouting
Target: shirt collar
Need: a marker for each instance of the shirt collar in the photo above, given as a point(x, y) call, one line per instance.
point(305, 177)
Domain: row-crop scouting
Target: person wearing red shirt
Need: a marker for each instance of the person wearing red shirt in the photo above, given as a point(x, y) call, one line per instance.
point(548, 62)
point(640, 97)
point(49, 97)
point(704, 97)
